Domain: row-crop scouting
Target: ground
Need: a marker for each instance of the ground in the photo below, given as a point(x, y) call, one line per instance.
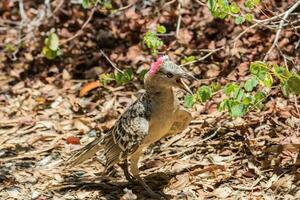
point(44, 120)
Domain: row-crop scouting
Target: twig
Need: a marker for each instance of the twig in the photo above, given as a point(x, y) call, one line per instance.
point(169, 3)
point(23, 20)
point(58, 6)
point(112, 64)
point(203, 57)
point(259, 22)
point(275, 42)
point(83, 26)
point(179, 18)
point(211, 136)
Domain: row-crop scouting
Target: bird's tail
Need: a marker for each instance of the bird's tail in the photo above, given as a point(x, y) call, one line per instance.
point(85, 153)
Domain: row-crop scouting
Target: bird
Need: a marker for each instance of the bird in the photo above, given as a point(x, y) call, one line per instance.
point(154, 115)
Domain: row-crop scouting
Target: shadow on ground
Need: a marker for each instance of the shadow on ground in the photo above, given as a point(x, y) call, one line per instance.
point(113, 188)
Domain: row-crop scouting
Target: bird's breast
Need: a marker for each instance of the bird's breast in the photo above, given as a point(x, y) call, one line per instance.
point(162, 118)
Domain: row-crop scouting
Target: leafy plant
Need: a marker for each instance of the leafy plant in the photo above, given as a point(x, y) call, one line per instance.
point(10, 48)
point(202, 95)
point(241, 98)
point(226, 8)
point(119, 77)
point(187, 59)
point(152, 41)
point(51, 47)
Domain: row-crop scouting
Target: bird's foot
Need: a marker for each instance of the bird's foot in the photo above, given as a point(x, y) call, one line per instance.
point(149, 190)
point(129, 177)
point(127, 174)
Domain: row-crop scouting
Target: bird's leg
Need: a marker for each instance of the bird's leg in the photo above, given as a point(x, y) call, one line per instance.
point(136, 173)
point(127, 174)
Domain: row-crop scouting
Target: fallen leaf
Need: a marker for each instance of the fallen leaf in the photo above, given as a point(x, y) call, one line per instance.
point(88, 87)
point(222, 192)
point(73, 140)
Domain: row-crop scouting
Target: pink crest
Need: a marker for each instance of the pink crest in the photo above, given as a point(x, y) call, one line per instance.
point(156, 65)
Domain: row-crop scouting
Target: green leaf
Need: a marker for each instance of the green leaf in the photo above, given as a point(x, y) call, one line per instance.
point(188, 101)
point(239, 20)
point(247, 100)
point(257, 66)
point(48, 53)
point(128, 75)
point(215, 86)
point(161, 29)
point(10, 48)
point(259, 97)
point(281, 72)
point(237, 109)
point(223, 105)
point(211, 4)
point(118, 76)
point(249, 17)
point(204, 93)
point(105, 78)
point(293, 83)
point(230, 88)
point(251, 3)
point(52, 42)
point(268, 80)
point(234, 8)
point(85, 4)
point(285, 89)
point(142, 74)
point(107, 5)
point(238, 94)
point(187, 59)
point(152, 41)
point(251, 84)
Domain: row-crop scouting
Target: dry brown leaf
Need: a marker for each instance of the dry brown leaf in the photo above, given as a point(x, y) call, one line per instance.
point(179, 182)
point(88, 87)
point(222, 192)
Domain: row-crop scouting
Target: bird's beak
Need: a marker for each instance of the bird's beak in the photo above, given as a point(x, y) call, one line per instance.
point(183, 85)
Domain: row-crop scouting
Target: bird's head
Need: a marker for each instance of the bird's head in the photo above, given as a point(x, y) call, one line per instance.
point(166, 73)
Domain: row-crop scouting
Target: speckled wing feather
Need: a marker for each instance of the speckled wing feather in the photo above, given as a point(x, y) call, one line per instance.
point(129, 131)
point(124, 137)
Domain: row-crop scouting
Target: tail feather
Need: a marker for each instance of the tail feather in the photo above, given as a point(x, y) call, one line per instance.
point(85, 153)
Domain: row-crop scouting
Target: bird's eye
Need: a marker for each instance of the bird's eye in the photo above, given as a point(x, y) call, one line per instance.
point(169, 75)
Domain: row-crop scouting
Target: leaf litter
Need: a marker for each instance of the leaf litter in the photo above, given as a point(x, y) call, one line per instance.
point(47, 113)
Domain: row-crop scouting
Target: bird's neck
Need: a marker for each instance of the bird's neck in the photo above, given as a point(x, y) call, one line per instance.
point(163, 96)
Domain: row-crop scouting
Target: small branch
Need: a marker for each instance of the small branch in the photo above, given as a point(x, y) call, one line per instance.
point(260, 22)
point(179, 18)
point(112, 64)
point(203, 57)
point(83, 26)
point(169, 3)
point(58, 6)
point(275, 42)
point(22, 23)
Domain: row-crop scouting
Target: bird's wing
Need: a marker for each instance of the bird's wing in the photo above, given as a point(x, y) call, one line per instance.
point(125, 136)
point(128, 132)
point(183, 119)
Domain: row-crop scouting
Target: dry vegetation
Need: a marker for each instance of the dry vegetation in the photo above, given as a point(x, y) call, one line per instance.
point(42, 116)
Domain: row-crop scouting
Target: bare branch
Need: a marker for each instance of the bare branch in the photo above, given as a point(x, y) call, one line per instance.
point(112, 64)
point(83, 26)
point(275, 42)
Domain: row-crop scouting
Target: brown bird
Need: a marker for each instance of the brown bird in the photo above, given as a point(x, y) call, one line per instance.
point(154, 115)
